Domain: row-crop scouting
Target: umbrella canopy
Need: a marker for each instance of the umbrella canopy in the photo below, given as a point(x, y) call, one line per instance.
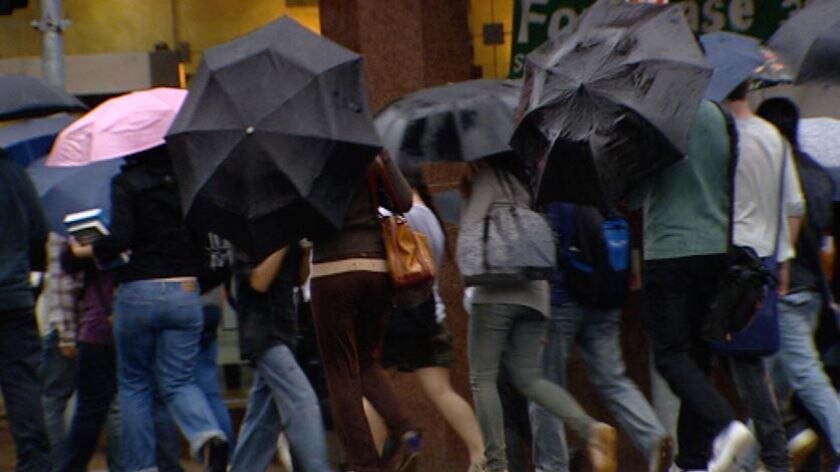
point(274, 137)
point(736, 58)
point(610, 101)
point(820, 138)
point(118, 127)
point(66, 190)
point(22, 96)
point(455, 122)
point(31, 139)
point(809, 42)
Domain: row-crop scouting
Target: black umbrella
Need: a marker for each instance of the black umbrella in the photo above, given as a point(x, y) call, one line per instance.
point(809, 42)
point(610, 101)
point(456, 122)
point(22, 96)
point(736, 58)
point(273, 137)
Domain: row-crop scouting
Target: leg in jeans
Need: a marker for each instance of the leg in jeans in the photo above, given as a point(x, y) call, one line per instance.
point(550, 450)
point(176, 356)
point(96, 390)
point(753, 384)
point(167, 439)
point(135, 342)
point(291, 406)
point(488, 330)
point(20, 352)
point(207, 378)
point(342, 305)
point(113, 452)
point(797, 366)
point(522, 360)
point(59, 377)
point(677, 292)
point(598, 343)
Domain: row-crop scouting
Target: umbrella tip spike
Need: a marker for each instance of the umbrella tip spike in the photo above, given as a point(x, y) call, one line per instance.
point(249, 130)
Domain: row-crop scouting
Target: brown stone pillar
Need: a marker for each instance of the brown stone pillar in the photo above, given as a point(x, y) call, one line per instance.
point(407, 44)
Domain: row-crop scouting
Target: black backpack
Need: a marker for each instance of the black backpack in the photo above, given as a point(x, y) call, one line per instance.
point(597, 262)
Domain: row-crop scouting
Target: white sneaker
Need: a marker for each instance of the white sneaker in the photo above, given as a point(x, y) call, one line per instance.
point(732, 448)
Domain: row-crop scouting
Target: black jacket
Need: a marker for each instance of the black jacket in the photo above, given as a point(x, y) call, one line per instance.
point(146, 219)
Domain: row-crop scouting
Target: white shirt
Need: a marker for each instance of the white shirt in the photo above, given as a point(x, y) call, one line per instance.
point(761, 152)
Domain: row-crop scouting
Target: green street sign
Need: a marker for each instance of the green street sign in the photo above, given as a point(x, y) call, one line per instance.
point(535, 21)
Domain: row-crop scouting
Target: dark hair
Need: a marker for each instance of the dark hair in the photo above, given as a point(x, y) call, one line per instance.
point(740, 92)
point(418, 184)
point(784, 114)
point(512, 164)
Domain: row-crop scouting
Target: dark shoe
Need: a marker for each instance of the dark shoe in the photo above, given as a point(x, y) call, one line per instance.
point(216, 454)
point(400, 454)
point(601, 447)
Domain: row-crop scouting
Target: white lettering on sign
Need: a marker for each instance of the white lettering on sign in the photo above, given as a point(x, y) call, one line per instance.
point(527, 17)
point(560, 19)
point(713, 17)
point(741, 14)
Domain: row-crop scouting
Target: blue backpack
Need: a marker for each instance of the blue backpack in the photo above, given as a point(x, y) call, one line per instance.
point(596, 262)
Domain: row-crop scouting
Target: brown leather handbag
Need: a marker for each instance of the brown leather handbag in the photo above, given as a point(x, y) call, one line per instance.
point(410, 261)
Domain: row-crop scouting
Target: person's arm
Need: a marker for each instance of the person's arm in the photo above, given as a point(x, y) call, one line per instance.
point(263, 274)
point(110, 247)
point(481, 194)
point(38, 227)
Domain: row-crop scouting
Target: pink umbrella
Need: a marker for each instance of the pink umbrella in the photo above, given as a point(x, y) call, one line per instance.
point(118, 127)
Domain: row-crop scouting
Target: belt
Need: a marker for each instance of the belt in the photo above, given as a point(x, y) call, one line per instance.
point(187, 284)
point(324, 269)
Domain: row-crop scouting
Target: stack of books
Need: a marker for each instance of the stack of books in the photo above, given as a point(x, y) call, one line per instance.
point(90, 225)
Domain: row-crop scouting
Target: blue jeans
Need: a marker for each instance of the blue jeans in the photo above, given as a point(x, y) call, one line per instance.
point(596, 334)
point(511, 334)
point(58, 374)
point(281, 399)
point(157, 331)
point(20, 352)
point(797, 367)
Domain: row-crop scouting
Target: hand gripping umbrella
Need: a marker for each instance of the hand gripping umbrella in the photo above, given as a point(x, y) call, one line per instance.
point(22, 96)
point(736, 58)
point(610, 101)
point(809, 42)
point(274, 138)
point(456, 122)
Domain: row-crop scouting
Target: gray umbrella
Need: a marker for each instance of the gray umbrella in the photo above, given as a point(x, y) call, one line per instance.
point(273, 138)
point(610, 101)
point(456, 122)
point(22, 96)
point(809, 42)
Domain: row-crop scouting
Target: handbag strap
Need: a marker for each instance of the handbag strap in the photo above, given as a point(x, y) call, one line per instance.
point(732, 132)
point(379, 173)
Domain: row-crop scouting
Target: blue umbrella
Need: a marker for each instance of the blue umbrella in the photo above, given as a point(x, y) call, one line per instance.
point(66, 190)
point(31, 139)
point(736, 58)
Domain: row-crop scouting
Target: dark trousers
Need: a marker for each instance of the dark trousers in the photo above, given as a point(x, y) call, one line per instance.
point(677, 294)
point(349, 311)
point(97, 386)
point(20, 353)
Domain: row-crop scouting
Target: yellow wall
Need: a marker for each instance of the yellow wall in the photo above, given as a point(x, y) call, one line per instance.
point(494, 60)
point(108, 26)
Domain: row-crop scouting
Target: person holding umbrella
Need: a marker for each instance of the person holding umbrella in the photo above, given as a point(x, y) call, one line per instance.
point(509, 319)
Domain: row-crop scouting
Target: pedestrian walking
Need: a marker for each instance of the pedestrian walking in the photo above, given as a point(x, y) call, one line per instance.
point(22, 249)
point(592, 324)
point(797, 367)
point(351, 296)
point(281, 399)
point(506, 324)
point(418, 341)
point(158, 315)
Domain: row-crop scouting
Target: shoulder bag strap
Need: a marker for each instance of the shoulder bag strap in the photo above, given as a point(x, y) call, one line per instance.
point(380, 174)
point(732, 132)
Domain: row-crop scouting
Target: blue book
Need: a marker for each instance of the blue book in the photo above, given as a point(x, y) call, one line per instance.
point(90, 225)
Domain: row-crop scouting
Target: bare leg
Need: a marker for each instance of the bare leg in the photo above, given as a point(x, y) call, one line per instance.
point(377, 426)
point(455, 410)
